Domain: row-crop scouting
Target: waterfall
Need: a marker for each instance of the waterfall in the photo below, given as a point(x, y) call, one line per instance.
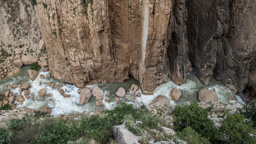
point(144, 30)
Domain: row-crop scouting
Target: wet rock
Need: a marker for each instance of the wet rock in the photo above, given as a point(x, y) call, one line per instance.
point(160, 101)
point(6, 93)
point(13, 72)
point(97, 92)
point(124, 136)
point(25, 86)
point(85, 95)
point(121, 92)
point(116, 99)
point(32, 74)
point(11, 99)
point(20, 98)
point(48, 75)
point(138, 94)
point(134, 88)
point(107, 100)
point(61, 91)
point(42, 92)
point(175, 94)
point(42, 76)
point(48, 95)
point(46, 109)
point(66, 96)
point(5, 102)
point(26, 92)
point(14, 86)
point(206, 96)
point(99, 103)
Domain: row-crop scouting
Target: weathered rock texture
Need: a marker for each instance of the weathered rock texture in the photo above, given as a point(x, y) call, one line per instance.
point(106, 41)
point(19, 35)
point(222, 40)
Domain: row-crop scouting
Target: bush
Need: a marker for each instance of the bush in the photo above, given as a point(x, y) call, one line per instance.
point(35, 67)
point(235, 129)
point(4, 136)
point(33, 2)
point(197, 118)
point(250, 112)
point(6, 107)
point(192, 137)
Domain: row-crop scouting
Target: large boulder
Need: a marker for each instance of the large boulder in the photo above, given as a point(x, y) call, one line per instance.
point(123, 136)
point(134, 88)
point(20, 98)
point(175, 94)
point(42, 92)
point(85, 95)
point(160, 101)
point(97, 92)
point(46, 109)
point(29, 59)
point(207, 96)
point(32, 74)
point(25, 86)
point(121, 92)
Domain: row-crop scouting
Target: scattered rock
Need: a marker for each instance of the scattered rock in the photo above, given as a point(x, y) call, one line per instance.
point(168, 131)
point(206, 96)
point(116, 99)
point(85, 95)
point(26, 92)
point(25, 86)
point(14, 86)
point(175, 94)
point(6, 93)
point(32, 74)
point(107, 100)
point(99, 103)
point(121, 92)
point(160, 101)
point(61, 91)
point(134, 88)
point(66, 96)
point(28, 59)
point(42, 76)
point(48, 95)
point(46, 109)
point(20, 98)
point(48, 75)
point(138, 94)
point(97, 92)
point(42, 92)
point(123, 136)
point(18, 62)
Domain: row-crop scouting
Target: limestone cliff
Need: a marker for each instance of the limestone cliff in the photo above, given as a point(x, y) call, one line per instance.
point(106, 41)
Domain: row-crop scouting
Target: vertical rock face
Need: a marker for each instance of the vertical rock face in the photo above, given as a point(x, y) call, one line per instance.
point(19, 34)
point(106, 41)
point(101, 41)
point(222, 40)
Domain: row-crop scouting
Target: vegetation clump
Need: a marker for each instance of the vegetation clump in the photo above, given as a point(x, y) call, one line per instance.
point(6, 107)
point(35, 67)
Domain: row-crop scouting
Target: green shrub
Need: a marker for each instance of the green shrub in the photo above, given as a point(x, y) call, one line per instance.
point(33, 2)
point(58, 132)
point(35, 67)
point(250, 112)
point(4, 136)
point(192, 137)
point(235, 129)
point(197, 118)
point(6, 107)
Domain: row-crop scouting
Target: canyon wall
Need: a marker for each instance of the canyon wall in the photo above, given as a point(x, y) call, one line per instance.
point(107, 41)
